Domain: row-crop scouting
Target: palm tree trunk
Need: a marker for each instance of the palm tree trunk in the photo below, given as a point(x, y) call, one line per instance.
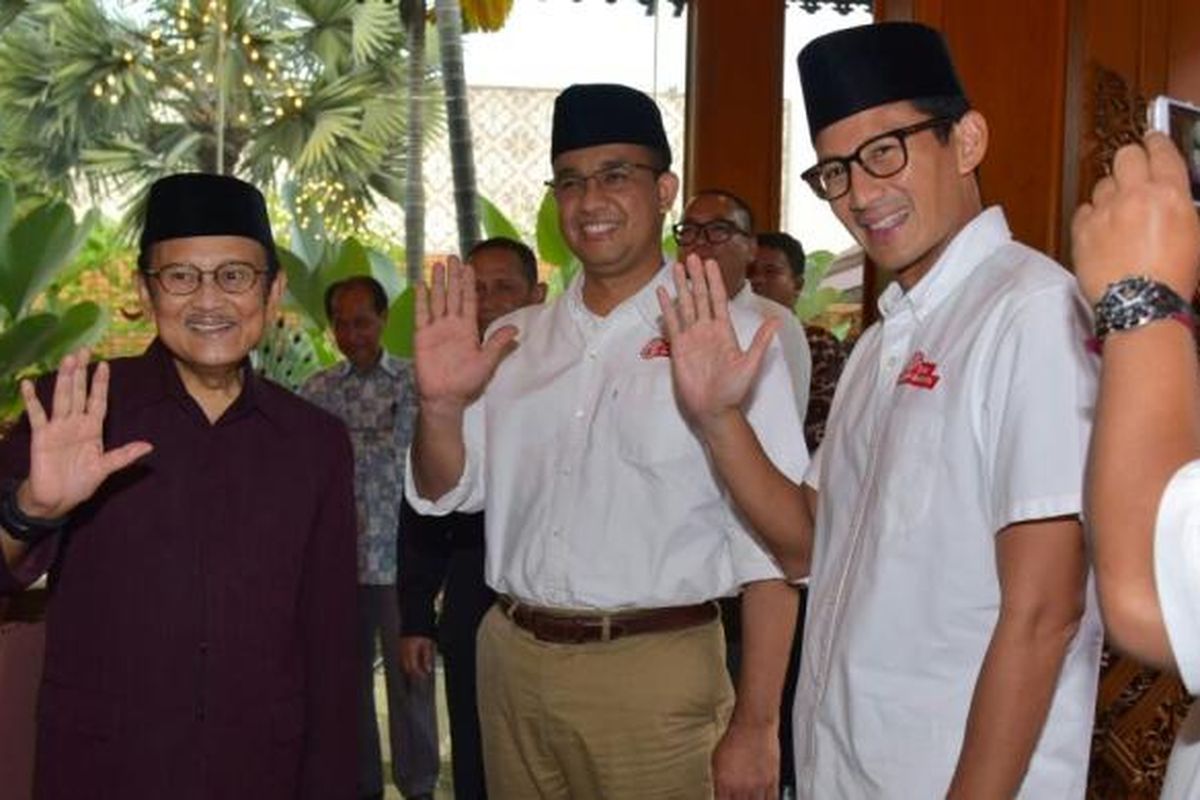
point(412, 15)
point(458, 122)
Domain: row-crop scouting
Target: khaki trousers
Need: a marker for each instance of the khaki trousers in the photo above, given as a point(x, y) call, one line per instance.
point(632, 719)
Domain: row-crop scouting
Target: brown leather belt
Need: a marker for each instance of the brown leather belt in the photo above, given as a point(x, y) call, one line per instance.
point(567, 628)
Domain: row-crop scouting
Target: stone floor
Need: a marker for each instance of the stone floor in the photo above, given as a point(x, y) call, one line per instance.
point(445, 788)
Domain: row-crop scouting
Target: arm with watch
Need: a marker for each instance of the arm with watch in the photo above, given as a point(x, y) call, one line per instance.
point(1136, 250)
point(66, 462)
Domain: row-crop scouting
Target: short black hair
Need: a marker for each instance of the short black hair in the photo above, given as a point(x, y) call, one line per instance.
point(949, 106)
point(788, 245)
point(378, 295)
point(739, 205)
point(525, 256)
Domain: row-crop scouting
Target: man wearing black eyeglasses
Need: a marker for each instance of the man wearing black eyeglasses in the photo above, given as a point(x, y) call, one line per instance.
point(951, 647)
point(718, 225)
point(198, 527)
point(601, 668)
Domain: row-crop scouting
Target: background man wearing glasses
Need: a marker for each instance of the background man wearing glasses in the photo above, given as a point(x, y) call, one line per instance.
point(950, 645)
point(375, 394)
point(718, 225)
point(198, 525)
point(608, 534)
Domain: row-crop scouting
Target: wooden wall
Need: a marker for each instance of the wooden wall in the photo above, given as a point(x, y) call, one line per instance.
point(734, 137)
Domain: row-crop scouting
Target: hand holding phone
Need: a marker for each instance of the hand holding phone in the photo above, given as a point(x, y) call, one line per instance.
point(1181, 122)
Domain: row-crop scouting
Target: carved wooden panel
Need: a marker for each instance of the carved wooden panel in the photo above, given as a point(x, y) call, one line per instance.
point(1138, 711)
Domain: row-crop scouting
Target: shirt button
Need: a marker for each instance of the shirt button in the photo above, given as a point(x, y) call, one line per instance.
point(579, 413)
point(592, 354)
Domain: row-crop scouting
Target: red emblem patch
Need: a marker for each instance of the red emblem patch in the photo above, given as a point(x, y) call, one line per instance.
point(919, 372)
point(658, 347)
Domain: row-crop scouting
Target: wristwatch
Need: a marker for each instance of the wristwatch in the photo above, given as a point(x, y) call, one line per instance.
point(1136, 301)
point(20, 526)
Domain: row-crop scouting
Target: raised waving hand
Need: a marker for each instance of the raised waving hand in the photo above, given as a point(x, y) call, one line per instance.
point(453, 367)
point(67, 459)
point(711, 371)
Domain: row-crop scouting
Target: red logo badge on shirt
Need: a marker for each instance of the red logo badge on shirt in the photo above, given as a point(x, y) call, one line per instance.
point(919, 372)
point(658, 347)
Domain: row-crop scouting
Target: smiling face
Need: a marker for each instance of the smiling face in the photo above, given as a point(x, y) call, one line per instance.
point(357, 326)
point(614, 231)
point(906, 220)
point(209, 331)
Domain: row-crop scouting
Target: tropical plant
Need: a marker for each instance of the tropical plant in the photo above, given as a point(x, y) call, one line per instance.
point(458, 122)
point(38, 245)
point(313, 260)
point(412, 15)
point(311, 88)
point(816, 300)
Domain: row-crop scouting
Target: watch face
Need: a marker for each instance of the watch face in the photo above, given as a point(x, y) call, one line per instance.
point(1133, 302)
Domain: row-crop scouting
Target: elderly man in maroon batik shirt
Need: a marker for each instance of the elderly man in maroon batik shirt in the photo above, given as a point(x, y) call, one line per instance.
point(198, 526)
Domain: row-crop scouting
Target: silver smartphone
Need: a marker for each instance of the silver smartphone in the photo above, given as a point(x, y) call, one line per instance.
point(1180, 121)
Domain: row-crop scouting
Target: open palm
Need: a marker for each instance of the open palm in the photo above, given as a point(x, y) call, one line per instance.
point(711, 372)
point(67, 459)
point(452, 366)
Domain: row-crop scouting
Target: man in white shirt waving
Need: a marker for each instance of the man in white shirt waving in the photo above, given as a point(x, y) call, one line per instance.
point(608, 534)
point(1137, 251)
point(950, 649)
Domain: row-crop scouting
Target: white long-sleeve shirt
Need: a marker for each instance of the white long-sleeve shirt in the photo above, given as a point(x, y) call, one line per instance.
point(598, 494)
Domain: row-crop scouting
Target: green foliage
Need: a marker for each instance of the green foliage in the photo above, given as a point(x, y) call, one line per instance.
point(816, 299)
point(309, 88)
point(37, 246)
point(495, 223)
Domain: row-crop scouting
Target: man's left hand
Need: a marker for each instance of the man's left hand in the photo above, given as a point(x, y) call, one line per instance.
point(711, 373)
point(746, 763)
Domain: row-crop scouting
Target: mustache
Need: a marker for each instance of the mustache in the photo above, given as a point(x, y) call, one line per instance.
point(209, 318)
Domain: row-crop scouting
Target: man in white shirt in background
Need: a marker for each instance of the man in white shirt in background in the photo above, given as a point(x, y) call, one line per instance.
point(608, 533)
point(950, 649)
point(718, 225)
point(1144, 467)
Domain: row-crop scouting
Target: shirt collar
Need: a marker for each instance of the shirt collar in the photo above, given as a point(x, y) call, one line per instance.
point(157, 379)
point(969, 247)
point(387, 362)
point(644, 302)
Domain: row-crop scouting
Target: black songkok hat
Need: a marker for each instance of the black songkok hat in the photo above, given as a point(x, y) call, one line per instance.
point(586, 115)
point(198, 204)
point(854, 69)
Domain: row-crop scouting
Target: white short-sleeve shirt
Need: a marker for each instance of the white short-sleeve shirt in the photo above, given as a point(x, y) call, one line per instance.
point(1177, 574)
point(966, 409)
point(598, 494)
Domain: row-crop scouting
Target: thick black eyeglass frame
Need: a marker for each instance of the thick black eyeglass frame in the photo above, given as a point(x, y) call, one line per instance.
point(812, 175)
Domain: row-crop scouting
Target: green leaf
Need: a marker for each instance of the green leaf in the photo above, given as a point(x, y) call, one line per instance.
point(25, 344)
point(551, 246)
point(39, 246)
point(398, 333)
point(8, 202)
point(81, 325)
point(384, 270)
point(813, 304)
point(495, 223)
point(304, 287)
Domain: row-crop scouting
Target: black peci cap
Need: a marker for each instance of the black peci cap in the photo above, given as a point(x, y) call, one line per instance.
point(586, 115)
point(851, 70)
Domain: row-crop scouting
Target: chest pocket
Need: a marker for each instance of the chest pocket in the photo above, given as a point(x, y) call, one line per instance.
point(909, 462)
point(650, 427)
